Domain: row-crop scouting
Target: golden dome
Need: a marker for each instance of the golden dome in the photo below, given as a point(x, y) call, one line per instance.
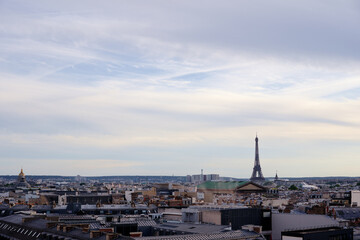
point(21, 174)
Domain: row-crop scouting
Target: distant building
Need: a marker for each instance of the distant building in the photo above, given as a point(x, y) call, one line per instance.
point(199, 178)
point(355, 198)
point(212, 177)
point(89, 199)
point(210, 189)
point(21, 182)
point(80, 179)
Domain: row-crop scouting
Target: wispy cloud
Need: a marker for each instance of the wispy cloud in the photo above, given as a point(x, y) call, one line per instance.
point(121, 78)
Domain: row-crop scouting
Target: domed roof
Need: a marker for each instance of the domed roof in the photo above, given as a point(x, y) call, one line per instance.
point(21, 174)
point(21, 182)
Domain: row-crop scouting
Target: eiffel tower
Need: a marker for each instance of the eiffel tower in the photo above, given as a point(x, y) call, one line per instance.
point(257, 174)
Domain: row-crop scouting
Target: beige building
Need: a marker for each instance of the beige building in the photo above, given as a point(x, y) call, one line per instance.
point(210, 189)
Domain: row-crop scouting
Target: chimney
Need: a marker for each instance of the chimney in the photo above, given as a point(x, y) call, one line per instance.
point(51, 224)
point(258, 229)
point(27, 219)
point(67, 228)
point(85, 229)
point(111, 236)
point(95, 234)
point(59, 227)
point(135, 234)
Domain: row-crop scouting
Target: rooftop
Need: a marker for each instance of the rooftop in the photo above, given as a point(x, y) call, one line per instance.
point(192, 228)
point(209, 236)
point(230, 185)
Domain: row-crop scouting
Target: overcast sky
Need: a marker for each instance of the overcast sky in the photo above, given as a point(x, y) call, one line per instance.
point(173, 87)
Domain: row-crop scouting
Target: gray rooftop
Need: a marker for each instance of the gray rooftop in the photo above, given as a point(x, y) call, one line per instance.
point(113, 207)
point(15, 218)
point(348, 213)
point(209, 236)
point(41, 207)
point(191, 228)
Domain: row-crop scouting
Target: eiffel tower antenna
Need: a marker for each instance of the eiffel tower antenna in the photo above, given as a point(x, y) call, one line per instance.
point(257, 173)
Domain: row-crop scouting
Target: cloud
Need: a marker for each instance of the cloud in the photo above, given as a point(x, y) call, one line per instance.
point(115, 78)
point(72, 167)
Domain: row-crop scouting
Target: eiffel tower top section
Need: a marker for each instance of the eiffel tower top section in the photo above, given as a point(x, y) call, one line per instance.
point(257, 173)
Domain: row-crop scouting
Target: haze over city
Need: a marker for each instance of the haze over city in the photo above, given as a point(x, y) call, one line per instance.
point(172, 87)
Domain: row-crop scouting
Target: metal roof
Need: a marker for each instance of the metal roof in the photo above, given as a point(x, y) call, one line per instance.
point(209, 236)
point(348, 213)
point(191, 228)
point(231, 185)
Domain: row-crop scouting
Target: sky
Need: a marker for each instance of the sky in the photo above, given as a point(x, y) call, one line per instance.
point(172, 87)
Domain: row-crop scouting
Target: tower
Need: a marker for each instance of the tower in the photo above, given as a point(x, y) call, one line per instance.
point(257, 174)
point(276, 176)
point(21, 177)
point(21, 182)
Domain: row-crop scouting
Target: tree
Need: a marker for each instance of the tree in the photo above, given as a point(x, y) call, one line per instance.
point(293, 187)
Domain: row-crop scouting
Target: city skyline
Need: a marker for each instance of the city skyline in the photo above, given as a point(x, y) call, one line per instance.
point(163, 88)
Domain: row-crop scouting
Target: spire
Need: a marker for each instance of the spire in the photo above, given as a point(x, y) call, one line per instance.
point(276, 176)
